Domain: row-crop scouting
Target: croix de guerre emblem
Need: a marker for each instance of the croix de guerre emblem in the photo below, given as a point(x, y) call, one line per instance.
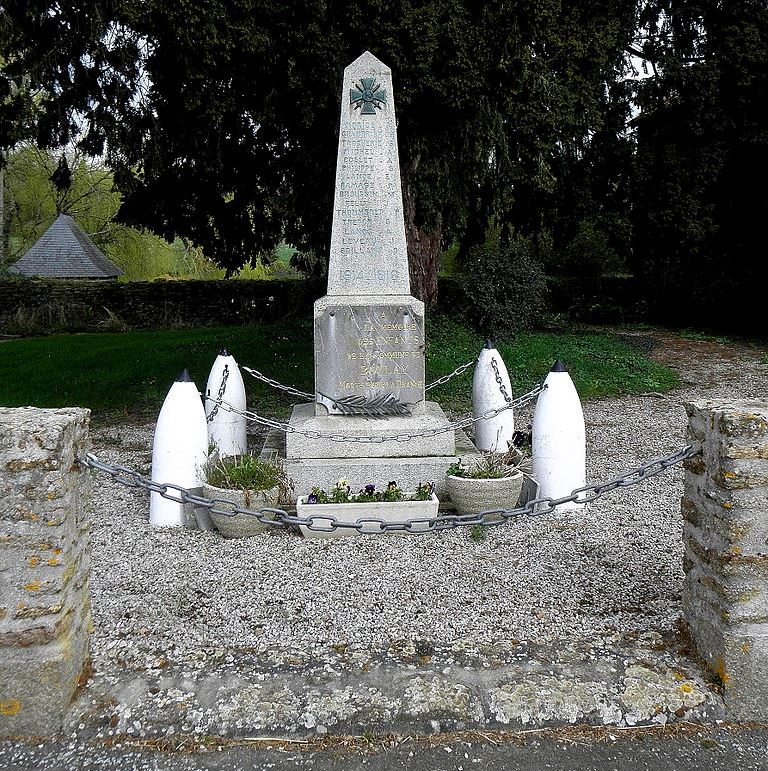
point(367, 96)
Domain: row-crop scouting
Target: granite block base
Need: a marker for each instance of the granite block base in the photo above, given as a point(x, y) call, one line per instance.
point(301, 447)
point(408, 472)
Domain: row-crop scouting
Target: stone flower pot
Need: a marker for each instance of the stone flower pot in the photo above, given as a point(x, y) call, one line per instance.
point(471, 496)
point(241, 525)
point(394, 511)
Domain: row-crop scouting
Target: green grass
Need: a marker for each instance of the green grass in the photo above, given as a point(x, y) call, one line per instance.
point(128, 374)
point(600, 364)
point(694, 334)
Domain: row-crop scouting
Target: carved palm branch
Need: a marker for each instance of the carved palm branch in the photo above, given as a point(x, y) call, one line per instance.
point(374, 407)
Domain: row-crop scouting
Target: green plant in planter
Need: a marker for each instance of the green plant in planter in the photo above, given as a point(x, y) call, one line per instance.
point(493, 481)
point(246, 482)
point(492, 465)
point(341, 493)
point(247, 472)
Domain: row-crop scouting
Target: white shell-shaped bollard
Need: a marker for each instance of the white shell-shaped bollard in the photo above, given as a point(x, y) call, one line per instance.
point(559, 439)
point(493, 434)
point(179, 450)
point(226, 430)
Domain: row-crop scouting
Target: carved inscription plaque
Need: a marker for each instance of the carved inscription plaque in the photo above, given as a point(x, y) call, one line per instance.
point(371, 351)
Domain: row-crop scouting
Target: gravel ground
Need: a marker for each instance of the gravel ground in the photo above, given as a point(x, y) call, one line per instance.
point(615, 566)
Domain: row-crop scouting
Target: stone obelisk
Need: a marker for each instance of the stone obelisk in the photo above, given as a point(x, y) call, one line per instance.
point(369, 330)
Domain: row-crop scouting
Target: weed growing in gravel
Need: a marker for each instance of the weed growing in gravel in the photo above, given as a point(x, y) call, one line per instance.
point(477, 533)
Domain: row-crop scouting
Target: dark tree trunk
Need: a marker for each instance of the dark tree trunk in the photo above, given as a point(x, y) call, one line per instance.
point(423, 250)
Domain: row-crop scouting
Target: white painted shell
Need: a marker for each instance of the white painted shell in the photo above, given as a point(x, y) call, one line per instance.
point(179, 450)
point(227, 430)
point(494, 434)
point(559, 440)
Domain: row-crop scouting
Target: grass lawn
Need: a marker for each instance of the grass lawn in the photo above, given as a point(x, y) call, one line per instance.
point(128, 374)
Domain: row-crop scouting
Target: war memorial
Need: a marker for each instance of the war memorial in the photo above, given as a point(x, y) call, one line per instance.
point(304, 638)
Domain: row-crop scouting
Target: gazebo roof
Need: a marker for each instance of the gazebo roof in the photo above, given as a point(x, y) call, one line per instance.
point(65, 251)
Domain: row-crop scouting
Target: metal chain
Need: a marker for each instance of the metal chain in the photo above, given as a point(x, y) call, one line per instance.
point(310, 397)
point(275, 517)
point(499, 381)
point(222, 389)
point(275, 384)
point(445, 378)
point(457, 425)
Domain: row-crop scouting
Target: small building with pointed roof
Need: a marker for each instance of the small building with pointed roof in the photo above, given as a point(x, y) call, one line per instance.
point(66, 251)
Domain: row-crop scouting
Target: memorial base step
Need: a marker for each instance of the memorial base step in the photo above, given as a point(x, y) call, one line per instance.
point(408, 472)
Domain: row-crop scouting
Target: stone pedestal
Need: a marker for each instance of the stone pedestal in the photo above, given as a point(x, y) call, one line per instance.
point(367, 348)
point(725, 508)
point(44, 566)
point(336, 433)
point(370, 401)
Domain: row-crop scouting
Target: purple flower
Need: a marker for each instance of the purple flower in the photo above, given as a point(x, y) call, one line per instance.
point(370, 489)
point(312, 498)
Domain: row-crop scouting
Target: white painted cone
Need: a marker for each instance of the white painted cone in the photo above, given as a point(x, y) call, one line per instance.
point(494, 434)
point(179, 450)
point(559, 439)
point(226, 430)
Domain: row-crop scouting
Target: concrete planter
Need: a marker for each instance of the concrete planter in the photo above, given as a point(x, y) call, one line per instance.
point(471, 496)
point(241, 525)
point(398, 511)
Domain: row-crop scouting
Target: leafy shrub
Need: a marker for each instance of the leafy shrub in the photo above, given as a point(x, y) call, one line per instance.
point(589, 253)
point(505, 286)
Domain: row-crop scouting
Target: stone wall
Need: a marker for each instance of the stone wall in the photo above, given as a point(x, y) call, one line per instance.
point(58, 305)
point(37, 306)
point(725, 511)
point(44, 566)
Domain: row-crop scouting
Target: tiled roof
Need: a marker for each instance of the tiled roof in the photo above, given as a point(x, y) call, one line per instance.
point(65, 251)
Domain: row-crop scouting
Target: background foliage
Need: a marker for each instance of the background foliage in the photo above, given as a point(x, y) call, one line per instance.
point(609, 138)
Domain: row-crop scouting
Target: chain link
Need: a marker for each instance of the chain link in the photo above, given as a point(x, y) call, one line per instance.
point(220, 396)
point(445, 378)
point(254, 373)
point(457, 425)
point(499, 381)
point(322, 523)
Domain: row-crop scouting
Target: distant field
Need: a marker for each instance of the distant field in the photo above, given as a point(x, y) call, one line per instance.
point(128, 374)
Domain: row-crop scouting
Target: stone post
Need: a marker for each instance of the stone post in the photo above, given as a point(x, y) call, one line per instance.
point(725, 511)
point(45, 617)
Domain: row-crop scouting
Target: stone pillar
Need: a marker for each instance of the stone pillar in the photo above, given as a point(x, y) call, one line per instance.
point(45, 617)
point(725, 511)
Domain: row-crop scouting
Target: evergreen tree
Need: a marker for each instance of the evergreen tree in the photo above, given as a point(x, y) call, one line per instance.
point(702, 161)
point(220, 117)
